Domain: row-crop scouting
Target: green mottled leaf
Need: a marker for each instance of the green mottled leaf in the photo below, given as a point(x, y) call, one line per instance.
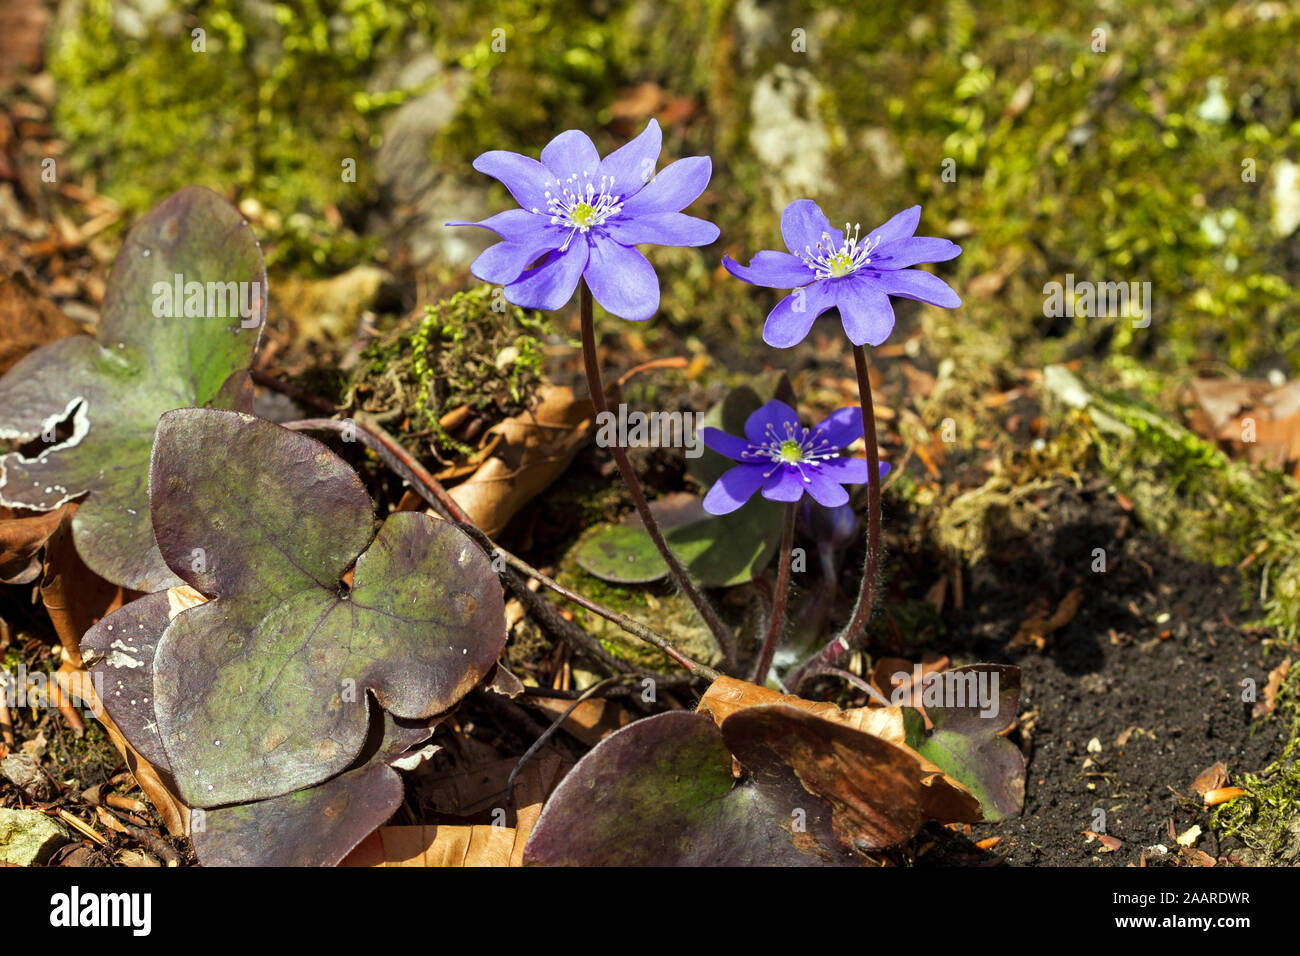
point(967, 743)
point(660, 792)
point(318, 826)
point(718, 552)
point(264, 690)
point(110, 391)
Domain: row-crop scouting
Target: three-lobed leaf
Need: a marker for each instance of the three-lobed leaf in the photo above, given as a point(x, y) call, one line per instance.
point(264, 689)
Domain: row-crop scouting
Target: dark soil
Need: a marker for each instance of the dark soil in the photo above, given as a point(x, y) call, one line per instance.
point(1154, 657)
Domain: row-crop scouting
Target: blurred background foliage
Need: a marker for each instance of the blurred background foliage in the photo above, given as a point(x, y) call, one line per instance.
point(1128, 163)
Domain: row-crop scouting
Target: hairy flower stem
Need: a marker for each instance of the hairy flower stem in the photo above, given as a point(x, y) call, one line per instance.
point(843, 642)
point(776, 625)
point(428, 487)
point(720, 631)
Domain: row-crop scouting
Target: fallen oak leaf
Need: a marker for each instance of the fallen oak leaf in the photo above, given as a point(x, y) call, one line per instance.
point(474, 845)
point(1038, 625)
point(1253, 418)
point(1211, 778)
point(1272, 688)
point(523, 455)
point(443, 845)
point(22, 536)
point(1109, 844)
point(28, 320)
point(941, 796)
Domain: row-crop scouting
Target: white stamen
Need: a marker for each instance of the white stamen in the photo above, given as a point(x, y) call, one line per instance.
point(579, 206)
point(829, 262)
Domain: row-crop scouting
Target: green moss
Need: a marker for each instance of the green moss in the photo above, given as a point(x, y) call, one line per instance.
point(1267, 816)
point(269, 109)
point(1211, 507)
point(1066, 160)
point(667, 611)
point(472, 349)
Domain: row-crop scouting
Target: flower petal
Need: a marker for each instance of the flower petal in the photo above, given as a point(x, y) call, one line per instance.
point(512, 225)
point(775, 270)
point(775, 414)
point(735, 487)
point(551, 284)
point(662, 229)
point(910, 252)
point(504, 262)
point(784, 484)
point(622, 281)
point(794, 315)
point(824, 489)
point(725, 443)
point(865, 310)
point(572, 153)
point(632, 165)
point(902, 226)
point(841, 427)
point(525, 178)
point(918, 285)
point(673, 189)
point(804, 225)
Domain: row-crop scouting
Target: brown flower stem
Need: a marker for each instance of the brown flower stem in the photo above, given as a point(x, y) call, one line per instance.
point(843, 642)
point(776, 625)
point(720, 631)
point(428, 487)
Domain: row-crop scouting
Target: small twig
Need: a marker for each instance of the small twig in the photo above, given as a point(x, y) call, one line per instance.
point(550, 732)
point(559, 625)
point(305, 399)
point(662, 682)
point(6, 722)
point(674, 362)
point(159, 846)
point(83, 828)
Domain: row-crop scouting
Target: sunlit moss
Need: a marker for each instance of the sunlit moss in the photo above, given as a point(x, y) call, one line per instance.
point(1267, 816)
point(471, 349)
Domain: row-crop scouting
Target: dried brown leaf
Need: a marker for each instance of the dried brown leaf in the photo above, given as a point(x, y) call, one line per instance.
point(523, 455)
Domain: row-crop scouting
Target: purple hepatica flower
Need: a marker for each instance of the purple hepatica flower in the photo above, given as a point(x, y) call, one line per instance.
point(857, 274)
point(582, 215)
point(784, 459)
